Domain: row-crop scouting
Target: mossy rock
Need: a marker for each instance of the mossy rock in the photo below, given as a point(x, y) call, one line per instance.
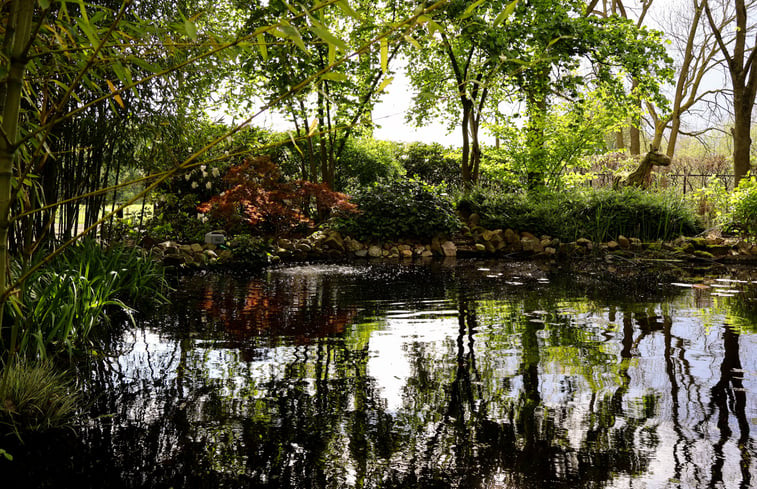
point(718, 250)
point(704, 254)
point(699, 243)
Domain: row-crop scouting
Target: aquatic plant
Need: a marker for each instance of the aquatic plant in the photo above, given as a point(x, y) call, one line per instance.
point(61, 304)
point(35, 397)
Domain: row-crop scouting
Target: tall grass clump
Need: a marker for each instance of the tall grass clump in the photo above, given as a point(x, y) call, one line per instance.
point(64, 302)
point(599, 215)
point(35, 397)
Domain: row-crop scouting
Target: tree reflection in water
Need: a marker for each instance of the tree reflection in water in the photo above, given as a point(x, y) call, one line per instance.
point(505, 381)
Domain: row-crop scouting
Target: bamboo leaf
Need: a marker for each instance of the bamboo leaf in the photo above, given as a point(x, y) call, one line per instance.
point(313, 127)
point(328, 37)
point(384, 55)
point(384, 84)
point(116, 96)
point(88, 31)
point(412, 41)
point(143, 64)
point(289, 33)
point(332, 54)
point(262, 47)
point(294, 143)
point(469, 11)
point(505, 14)
point(122, 74)
point(349, 11)
point(191, 29)
point(335, 76)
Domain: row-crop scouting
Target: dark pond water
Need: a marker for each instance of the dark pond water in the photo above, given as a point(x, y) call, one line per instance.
point(466, 374)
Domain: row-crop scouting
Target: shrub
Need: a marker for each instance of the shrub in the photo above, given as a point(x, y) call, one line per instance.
point(259, 198)
point(742, 217)
point(365, 161)
point(599, 215)
point(430, 163)
point(400, 209)
point(251, 251)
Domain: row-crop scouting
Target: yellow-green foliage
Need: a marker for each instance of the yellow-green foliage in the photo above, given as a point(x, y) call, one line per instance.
point(743, 208)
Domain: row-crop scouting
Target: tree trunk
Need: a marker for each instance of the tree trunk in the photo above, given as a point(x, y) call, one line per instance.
point(742, 140)
point(675, 128)
point(619, 142)
point(537, 114)
point(465, 162)
point(475, 154)
point(635, 133)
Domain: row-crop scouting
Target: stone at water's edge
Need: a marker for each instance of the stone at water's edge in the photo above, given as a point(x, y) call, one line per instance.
point(449, 249)
point(374, 251)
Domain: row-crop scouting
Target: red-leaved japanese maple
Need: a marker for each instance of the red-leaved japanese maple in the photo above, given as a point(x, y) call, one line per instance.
point(259, 196)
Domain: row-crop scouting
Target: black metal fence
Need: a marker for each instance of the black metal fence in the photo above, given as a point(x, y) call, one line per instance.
point(683, 182)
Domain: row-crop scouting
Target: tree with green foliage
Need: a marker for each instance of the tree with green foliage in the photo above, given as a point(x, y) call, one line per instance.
point(532, 52)
point(732, 40)
point(457, 70)
point(556, 41)
point(339, 102)
point(67, 62)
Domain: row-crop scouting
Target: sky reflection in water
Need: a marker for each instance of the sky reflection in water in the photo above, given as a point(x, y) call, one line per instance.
point(465, 375)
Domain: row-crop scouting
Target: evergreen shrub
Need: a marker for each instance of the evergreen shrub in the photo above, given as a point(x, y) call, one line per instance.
point(399, 209)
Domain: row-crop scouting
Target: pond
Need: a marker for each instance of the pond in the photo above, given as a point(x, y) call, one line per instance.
point(458, 374)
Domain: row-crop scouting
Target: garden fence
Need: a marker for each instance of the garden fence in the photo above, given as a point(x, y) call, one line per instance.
point(683, 182)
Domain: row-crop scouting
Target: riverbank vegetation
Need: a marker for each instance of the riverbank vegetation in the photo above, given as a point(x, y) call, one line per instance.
point(136, 123)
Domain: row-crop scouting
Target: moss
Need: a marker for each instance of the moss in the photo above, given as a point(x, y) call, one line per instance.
point(703, 254)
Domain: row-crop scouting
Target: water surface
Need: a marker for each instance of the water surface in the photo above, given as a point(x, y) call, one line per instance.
point(466, 374)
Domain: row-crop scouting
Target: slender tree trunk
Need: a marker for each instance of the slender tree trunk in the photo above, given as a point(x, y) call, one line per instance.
point(635, 133)
point(465, 163)
point(475, 154)
point(323, 141)
point(619, 141)
point(19, 25)
point(742, 139)
point(675, 128)
point(537, 114)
